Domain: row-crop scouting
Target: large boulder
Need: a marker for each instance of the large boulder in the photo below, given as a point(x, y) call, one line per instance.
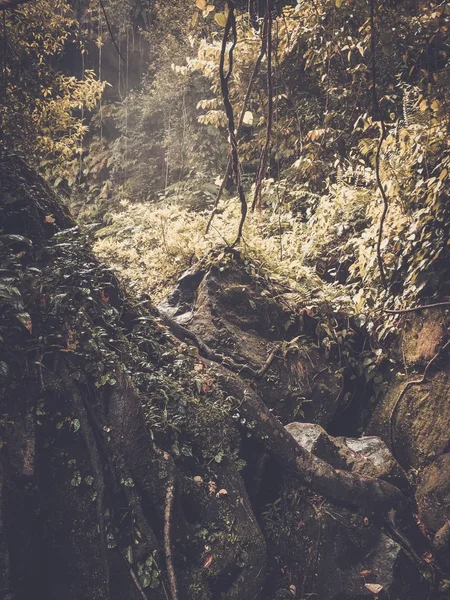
point(340, 555)
point(433, 497)
point(414, 420)
point(368, 455)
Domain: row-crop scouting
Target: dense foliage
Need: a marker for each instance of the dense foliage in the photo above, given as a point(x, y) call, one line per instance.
point(358, 109)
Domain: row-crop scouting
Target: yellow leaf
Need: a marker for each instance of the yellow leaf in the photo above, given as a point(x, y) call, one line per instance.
point(435, 105)
point(201, 4)
point(423, 105)
point(338, 3)
point(443, 174)
point(221, 19)
point(248, 118)
point(375, 588)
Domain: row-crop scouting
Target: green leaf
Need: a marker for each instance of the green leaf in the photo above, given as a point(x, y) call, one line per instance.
point(7, 240)
point(4, 370)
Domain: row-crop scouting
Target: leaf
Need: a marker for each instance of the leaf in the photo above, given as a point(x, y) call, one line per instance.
point(7, 240)
point(201, 4)
point(49, 219)
point(248, 118)
point(4, 370)
point(208, 561)
point(375, 588)
point(338, 3)
point(221, 19)
point(25, 319)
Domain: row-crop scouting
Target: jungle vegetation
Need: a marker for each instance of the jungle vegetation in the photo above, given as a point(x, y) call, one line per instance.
point(222, 159)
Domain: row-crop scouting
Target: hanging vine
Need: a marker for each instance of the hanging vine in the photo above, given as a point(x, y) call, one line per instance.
point(248, 94)
point(262, 167)
point(378, 115)
point(230, 27)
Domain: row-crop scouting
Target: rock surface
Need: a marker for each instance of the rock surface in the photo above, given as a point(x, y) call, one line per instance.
point(351, 558)
point(233, 308)
point(367, 455)
point(419, 424)
point(433, 494)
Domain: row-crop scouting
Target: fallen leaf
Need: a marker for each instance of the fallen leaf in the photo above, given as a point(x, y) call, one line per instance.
point(208, 561)
point(293, 589)
point(49, 219)
point(375, 588)
point(366, 572)
point(198, 479)
point(221, 493)
point(212, 487)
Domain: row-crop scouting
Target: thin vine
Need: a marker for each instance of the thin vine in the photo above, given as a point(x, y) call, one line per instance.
point(377, 114)
point(230, 27)
point(262, 167)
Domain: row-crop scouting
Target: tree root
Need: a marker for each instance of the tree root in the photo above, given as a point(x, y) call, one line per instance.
point(366, 493)
point(341, 486)
point(168, 511)
point(416, 308)
point(403, 392)
point(242, 368)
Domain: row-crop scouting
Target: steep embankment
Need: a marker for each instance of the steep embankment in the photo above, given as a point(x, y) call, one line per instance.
point(140, 459)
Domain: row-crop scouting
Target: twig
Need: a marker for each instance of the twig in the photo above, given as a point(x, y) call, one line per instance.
point(403, 392)
point(377, 113)
point(262, 167)
point(110, 30)
point(416, 308)
point(224, 79)
point(241, 122)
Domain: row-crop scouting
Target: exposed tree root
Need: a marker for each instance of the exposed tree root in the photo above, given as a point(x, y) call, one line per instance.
point(168, 511)
point(368, 494)
point(242, 368)
point(394, 532)
point(416, 308)
point(408, 385)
